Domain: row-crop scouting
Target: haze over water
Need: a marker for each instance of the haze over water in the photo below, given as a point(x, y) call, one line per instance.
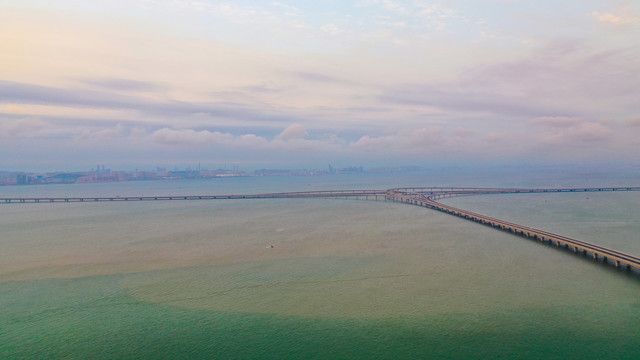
point(344, 278)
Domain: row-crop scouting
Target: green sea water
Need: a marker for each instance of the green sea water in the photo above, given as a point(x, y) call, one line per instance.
point(308, 279)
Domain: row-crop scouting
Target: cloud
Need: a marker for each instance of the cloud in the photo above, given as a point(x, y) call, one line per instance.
point(323, 78)
point(563, 77)
point(590, 132)
point(393, 6)
point(331, 29)
point(556, 121)
point(118, 84)
point(615, 20)
point(426, 137)
point(204, 81)
point(293, 131)
point(168, 136)
point(293, 137)
point(451, 97)
point(463, 132)
point(22, 93)
point(21, 126)
point(290, 142)
point(633, 122)
point(496, 136)
point(408, 141)
point(15, 92)
point(569, 131)
point(103, 134)
point(251, 141)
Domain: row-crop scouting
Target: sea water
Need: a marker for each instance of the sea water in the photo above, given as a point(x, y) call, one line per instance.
point(316, 278)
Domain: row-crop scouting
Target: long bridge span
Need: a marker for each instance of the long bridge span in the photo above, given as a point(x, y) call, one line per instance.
point(427, 197)
point(420, 196)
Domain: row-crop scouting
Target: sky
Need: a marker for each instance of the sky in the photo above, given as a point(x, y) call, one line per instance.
point(304, 84)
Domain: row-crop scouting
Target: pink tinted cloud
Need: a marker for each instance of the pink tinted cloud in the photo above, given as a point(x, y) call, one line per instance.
point(293, 131)
point(463, 132)
point(496, 136)
point(556, 121)
point(567, 131)
point(590, 132)
point(633, 122)
point(615, 19)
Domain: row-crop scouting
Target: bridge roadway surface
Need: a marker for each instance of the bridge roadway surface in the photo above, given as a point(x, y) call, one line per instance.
point(420, 196)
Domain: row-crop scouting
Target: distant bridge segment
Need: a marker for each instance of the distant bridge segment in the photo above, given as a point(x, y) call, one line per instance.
point(358, 194)
point(420, 196)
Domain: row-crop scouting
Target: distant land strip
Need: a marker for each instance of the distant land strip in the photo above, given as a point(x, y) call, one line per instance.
point(419, 196)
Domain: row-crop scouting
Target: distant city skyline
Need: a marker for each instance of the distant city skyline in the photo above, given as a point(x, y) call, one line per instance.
point(293, 84)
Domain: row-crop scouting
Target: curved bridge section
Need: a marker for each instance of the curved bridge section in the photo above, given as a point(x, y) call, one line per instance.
point(420, 196)
point(427, 197)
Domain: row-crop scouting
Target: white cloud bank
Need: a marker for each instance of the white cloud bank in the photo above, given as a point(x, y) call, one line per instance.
point(291, 138)
point(187, 137)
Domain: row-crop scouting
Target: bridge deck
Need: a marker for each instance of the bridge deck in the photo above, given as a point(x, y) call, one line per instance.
point(421, 196)
point(376, 194)
point(617, 258)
